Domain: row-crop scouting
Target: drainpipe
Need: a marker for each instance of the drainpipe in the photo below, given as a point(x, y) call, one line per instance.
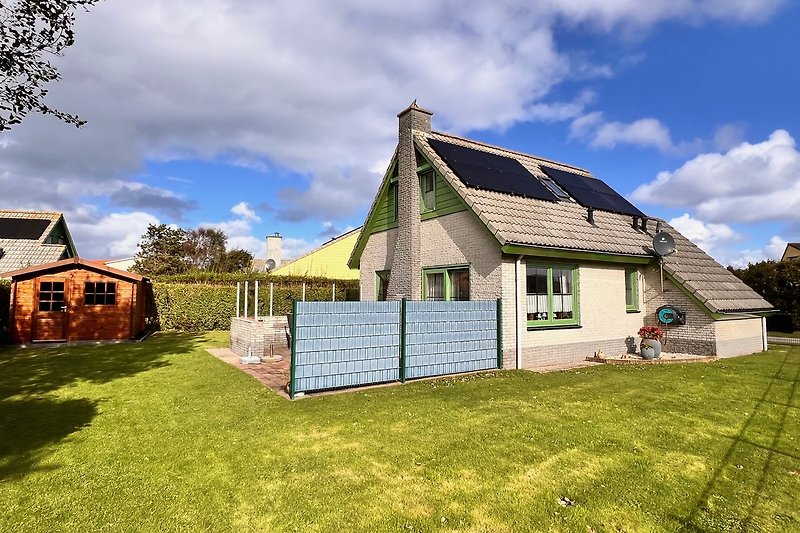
point(517, 306)
point(764, 333)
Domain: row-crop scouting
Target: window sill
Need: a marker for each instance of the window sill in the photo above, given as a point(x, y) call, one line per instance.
point(632, 311)
point(554, 326)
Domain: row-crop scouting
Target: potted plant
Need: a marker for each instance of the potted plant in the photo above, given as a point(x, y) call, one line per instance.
point(650, 345)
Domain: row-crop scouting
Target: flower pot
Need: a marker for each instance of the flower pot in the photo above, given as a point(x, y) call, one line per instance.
point(654, 345)
point(648, 352)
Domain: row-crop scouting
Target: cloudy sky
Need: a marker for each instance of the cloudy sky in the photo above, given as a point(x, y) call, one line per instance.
point(258, 117)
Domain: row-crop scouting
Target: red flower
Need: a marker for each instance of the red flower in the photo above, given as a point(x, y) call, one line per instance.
point(651, 332)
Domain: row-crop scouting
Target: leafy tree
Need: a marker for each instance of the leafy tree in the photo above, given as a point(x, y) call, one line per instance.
point(204, 247)
point(161, 251)
point(237, 260)
point(778, 282)
point(29, 31)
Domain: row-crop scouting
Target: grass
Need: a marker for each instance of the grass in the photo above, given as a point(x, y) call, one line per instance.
point(161, 436)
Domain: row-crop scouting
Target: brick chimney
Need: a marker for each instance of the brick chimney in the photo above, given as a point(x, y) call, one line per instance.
point(274, 248)
point(406, 277)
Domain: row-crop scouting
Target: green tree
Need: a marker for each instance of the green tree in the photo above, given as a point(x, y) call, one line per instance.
point(161, 251)
point(237, 260)
point(778, 282)
point(204, 247)
point(31, 30)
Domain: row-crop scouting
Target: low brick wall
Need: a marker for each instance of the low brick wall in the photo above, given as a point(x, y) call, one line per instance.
point(254, 337)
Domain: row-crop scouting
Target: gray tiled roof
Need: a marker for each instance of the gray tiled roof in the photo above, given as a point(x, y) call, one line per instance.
point(21, 253)
point(531, 222)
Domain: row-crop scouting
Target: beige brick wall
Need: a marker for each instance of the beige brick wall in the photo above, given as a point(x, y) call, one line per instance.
point(378, 255)
point(460, 239)
point(697, 336)
point(605, 322)
point(738, 337)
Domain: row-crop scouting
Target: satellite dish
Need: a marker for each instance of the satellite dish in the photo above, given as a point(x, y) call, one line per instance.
point(663, 244)
point(270, 264)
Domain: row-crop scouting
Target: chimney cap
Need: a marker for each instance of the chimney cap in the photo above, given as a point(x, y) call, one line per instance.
point(414, 107)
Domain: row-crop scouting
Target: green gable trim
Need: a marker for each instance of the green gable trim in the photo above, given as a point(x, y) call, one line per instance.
point(447, 200)
point(370, 225)
point(574, 255)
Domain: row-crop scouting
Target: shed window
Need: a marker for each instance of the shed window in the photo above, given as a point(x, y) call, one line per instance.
point(51, 295)
point(100, 293)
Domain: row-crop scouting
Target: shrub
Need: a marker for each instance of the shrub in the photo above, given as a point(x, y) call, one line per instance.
point(202, 306)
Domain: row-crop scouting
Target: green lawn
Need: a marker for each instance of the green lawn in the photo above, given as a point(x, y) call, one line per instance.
point(161, 436)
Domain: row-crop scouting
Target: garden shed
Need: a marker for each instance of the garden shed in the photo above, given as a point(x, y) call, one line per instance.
point(76, 300)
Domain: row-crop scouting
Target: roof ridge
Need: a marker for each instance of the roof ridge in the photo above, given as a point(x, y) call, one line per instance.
point(515, 152)
point(323, 245)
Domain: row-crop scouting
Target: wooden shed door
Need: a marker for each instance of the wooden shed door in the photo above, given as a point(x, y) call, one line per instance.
point(50, 318)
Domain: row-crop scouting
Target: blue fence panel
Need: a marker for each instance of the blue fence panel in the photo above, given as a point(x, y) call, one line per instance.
point(345, 344)
point(450, 337)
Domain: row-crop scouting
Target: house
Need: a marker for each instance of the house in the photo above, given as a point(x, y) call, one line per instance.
point(327, 261)
point(792, 252)
point(571, 260)
point(29, 238)
point(76, 300)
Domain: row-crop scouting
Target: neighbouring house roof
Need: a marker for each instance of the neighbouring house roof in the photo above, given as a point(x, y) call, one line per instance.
point(522, 223)
point(32, 238)
point(67, 264)
point(328, 260)
point(792, 251)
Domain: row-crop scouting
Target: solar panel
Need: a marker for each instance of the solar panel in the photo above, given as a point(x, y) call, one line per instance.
point(592, 192)
point(482, 170)
point(22, 228)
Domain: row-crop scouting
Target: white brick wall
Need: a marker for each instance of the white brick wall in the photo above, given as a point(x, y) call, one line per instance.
point(738, 337)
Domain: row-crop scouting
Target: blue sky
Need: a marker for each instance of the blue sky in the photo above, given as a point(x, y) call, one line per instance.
point(257, 118)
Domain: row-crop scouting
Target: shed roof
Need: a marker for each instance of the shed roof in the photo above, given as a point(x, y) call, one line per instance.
point(69, 264)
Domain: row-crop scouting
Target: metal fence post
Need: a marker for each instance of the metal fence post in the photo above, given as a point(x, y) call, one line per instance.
point(333, 292)
point(499, 333)
point(270, 298)
point(246, 295)
point(238, 292)
point(403, 340)
point(255, 312)
point(293, 359)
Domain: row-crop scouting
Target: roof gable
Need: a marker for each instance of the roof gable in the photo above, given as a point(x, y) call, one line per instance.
point(23, 241)
point(69, 264)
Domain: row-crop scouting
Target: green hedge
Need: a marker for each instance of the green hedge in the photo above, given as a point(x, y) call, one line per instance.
point(203, 306)
point(5, 303)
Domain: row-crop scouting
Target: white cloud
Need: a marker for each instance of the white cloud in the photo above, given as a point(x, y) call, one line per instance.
point(749, 183)
point(720, 242)
point(772, 250)
point(110, 236)
point(239, 231)
point(305, 85)
point(645, 132)
point(243, 210)
point(711, 238)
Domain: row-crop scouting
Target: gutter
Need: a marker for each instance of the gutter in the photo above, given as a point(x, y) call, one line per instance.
point(517, 306)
